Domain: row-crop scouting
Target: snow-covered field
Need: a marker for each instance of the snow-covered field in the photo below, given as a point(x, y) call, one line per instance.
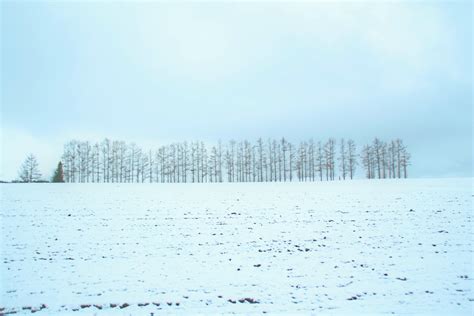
point(354, 247)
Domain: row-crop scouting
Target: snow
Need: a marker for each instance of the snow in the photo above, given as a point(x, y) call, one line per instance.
point(343, 247)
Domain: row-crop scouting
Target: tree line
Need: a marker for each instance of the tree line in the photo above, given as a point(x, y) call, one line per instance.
point(270, 160)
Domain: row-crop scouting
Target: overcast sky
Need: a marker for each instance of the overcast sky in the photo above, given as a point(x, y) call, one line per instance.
point(160, 72)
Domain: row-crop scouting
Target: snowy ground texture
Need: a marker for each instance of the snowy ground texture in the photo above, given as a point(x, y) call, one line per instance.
point(354, 247)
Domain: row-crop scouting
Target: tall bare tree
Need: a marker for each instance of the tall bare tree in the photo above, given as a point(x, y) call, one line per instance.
point(351, 157)
point(343, 161)
point(29, 170)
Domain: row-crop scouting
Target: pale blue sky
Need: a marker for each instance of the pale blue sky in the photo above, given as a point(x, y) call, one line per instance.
point(160, 72)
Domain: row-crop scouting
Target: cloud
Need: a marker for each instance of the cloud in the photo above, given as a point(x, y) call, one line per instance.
point(148, 72)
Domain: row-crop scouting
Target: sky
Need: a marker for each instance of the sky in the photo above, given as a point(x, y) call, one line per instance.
point(158, 72)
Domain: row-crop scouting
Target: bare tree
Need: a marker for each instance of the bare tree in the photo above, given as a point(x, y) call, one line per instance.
point(260, 159)
point(320, 161)
point(351, 157)
point(405, 161)
point(367, 161)
point(343, 161)
point(219, 161)
point(311, 160)
point(29, 171)
point(291, 157)
point(377, 150)
point(330, 153)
